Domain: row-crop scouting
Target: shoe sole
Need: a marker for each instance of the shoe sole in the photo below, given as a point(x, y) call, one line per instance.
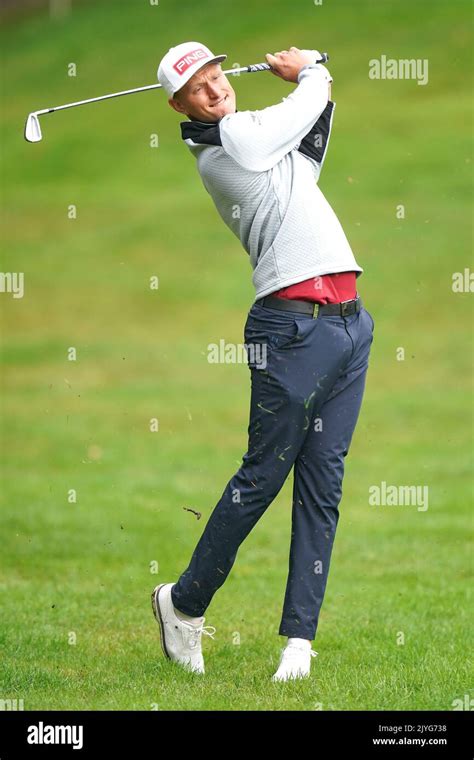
point(291, 678)
point(157, 613)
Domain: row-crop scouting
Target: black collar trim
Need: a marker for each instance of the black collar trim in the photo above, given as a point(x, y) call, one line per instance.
point(202, 132)
point(205, 132)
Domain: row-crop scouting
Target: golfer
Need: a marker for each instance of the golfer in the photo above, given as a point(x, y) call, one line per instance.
point(307, 336)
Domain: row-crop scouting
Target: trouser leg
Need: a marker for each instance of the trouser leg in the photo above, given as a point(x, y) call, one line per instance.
point(317, 489)
point(275, 433)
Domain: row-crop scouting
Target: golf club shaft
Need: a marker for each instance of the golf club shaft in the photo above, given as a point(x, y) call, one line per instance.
point(245, 69)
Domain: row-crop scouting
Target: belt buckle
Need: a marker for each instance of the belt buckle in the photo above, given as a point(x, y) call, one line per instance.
point(315, 310)
point(345, 307)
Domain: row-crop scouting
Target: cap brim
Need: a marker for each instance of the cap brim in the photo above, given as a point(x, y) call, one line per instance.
point(217, 59)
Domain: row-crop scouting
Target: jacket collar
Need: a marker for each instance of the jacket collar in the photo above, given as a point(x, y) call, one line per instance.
point(201, 132)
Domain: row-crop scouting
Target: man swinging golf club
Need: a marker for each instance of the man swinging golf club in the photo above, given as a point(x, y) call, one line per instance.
point(261, 169)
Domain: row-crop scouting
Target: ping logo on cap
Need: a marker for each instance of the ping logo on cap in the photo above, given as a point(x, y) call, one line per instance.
point(188, 59)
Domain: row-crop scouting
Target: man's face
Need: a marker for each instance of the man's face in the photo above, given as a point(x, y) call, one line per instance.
point(207, 96)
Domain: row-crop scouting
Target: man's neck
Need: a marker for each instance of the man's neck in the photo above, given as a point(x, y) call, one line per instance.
point(199, 121)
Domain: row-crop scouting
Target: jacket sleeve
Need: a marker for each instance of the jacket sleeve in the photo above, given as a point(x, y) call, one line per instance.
point(314, 145)
point(257, 140)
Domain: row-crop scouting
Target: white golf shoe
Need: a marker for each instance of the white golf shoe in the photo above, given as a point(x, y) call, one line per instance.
point(180, 639)
point(295, 662)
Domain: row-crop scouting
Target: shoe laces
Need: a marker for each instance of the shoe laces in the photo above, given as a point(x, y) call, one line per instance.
point(197, 630)
point(293, 651)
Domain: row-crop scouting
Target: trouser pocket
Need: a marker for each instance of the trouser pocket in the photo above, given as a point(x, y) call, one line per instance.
point(273, 327)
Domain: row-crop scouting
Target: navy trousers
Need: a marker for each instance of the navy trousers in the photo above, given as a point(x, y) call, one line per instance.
point(307, 384)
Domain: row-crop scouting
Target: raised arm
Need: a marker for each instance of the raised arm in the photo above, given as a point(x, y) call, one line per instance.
point(257, 140)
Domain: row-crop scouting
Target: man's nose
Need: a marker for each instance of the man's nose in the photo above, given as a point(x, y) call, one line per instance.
point(213, 90)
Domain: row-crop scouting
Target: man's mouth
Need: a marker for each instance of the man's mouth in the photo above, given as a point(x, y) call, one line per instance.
point(219, 101)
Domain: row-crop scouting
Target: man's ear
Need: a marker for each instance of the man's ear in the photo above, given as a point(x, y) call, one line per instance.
point(174, 103)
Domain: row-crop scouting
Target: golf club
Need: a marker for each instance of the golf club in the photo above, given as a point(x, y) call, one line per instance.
point(33, 128)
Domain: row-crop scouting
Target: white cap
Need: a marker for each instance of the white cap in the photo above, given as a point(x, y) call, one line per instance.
point(181, 62)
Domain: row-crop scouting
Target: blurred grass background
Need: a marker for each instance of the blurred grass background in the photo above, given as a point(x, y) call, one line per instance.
point(84, 567)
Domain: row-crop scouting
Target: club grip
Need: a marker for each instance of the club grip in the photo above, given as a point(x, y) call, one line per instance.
point(266, 66)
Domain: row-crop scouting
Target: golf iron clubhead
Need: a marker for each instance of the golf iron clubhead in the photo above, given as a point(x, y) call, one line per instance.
point(33, 129)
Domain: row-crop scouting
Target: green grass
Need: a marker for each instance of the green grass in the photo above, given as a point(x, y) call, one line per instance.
point(84, 568)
